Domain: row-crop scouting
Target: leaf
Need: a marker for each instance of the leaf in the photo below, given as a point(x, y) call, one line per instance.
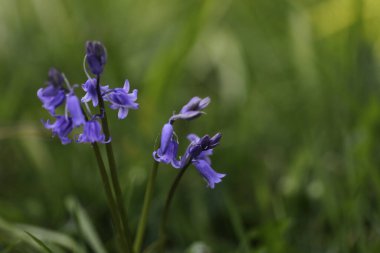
point(54, 237)
point(39, 242)
point(21, 232)
point(85, 225)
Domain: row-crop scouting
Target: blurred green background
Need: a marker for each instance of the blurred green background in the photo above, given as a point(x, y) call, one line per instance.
point(295, 91)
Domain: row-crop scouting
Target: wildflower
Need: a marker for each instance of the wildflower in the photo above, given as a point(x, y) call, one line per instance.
point(73, 107)
point(121, 100)
point(210, 175)
point(169, 146)
point(96, 56)
point(91, 94)
point(61, 127)
point(53, 95)
point(92, 133)
point(192, 109)
point(198, 154)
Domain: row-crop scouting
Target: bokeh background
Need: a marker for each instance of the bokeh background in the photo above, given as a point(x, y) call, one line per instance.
point(295, 91)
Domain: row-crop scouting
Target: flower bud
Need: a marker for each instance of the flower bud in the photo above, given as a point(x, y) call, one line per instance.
point(96, 56)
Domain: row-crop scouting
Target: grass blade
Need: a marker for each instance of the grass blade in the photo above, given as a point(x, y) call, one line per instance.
point(39, 242)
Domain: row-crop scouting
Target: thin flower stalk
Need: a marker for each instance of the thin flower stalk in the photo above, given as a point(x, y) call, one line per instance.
point(111, 202)
point(146, 207)
point(112, 168)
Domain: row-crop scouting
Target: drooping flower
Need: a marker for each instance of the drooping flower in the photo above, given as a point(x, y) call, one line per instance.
point(53, 95)
point(168, 149)
point(91, 94)
point(198, 153)
point(121, 100)
point(92, 132)
point(211, 176)
point(192, 109)
point(61, 127)
point(96, 56)
point(74, 108)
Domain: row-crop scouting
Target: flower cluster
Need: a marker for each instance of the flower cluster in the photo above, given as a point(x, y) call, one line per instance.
point(58, 91)
point(199, 150)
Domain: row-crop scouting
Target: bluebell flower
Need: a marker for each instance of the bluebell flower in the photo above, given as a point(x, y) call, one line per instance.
point(74, 108)
point(192, 109)
point(168, 149)
point(61, 127)
point(53, 95)
point(96, 56)
point(198, 153)
point(92, 132)
point(121, 100)
point(211, 176)
point(90, 88)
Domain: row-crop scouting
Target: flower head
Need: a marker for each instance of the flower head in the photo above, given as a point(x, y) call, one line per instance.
point(53, 95)
point(192, 109)
point(121, 100)
point(169, 146)
point(211, 176)
point(92, 133)
point(61, 127)
point(198, 153)
point(96, 56)
point(91, 94)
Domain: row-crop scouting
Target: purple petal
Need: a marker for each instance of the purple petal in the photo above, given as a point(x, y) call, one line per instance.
point(55, 78)
point(192, 105)
point(123, 112)
point(211, 176)
point(90, 87)
point(73, 106)
point(169, 155)
point(96, 56)
point(61, 127)
point(186, 115)
point(193, 137)
point(51, 98)
point(192, 109)
point(121, 100)
point(92, 132)
point(126, 86)
point(214, 141)
point(204, 103)
point(166, 136)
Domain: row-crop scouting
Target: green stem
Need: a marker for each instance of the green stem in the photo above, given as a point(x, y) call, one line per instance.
point(169, 198)
point(107, 188)
point(146, 207)
point(112, 167)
